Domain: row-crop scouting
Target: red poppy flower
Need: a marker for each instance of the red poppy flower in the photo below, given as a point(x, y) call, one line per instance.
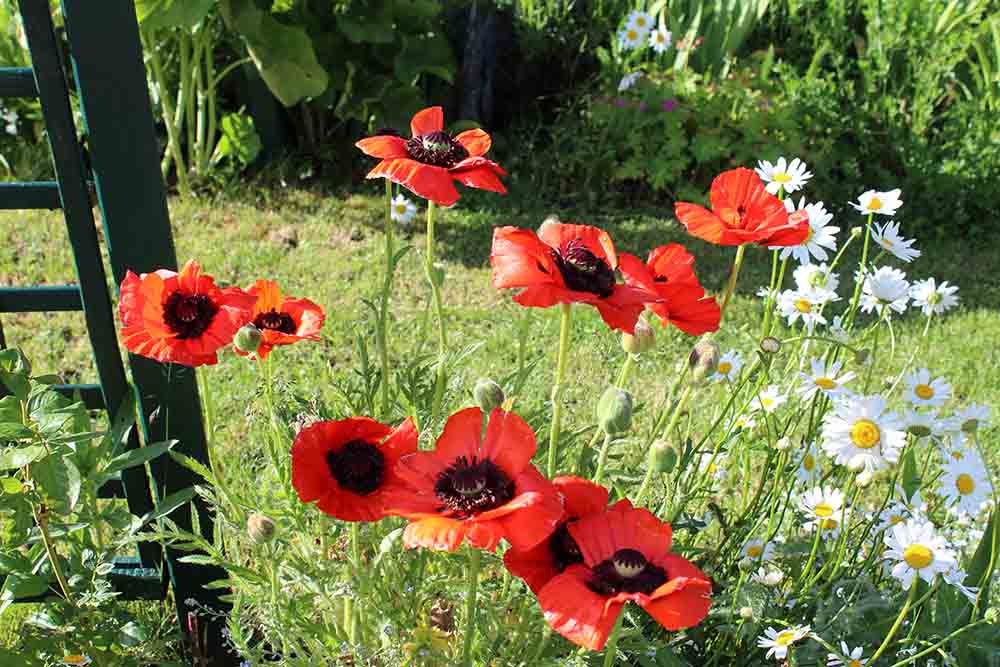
point(282, 320)
point(549, 557)
point(743, 211)
point(348, 465)
point(669, 273)
point(480, 491)
point(183, 317)
point(566, 264)
point(626, 557)
point(432, 160)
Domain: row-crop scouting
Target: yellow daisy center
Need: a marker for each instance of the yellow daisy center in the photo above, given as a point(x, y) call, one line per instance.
point(808, 463)
point(958, 455)
point(809, 234)
point(965, 484)
point(755, 550)
point(785, 638)
point(632, 35)
point(724, 367)
point(660, 37)
point(918, 556)
point(924, 391)
point(854, 662)
point(875, 204)
point(895, 519)
point(823, 510)
point(825, 383)
point(640, 21)
point(865, 434)
point(828, 524)
point(781, 177)
point(401, 208)
point(766, 402)
point(887, 244)
point(803, 305)
point(712, 468)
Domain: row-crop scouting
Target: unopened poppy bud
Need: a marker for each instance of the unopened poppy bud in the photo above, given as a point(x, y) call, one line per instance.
point(248, 339)
point(861, 357)
point(783, 444)
point(260, 528)
point(770, 345)
point(746, 613)
point(662, 456)
point(747, 564)
point(642, 340)
point(704, 359)
point(614, 410)
point(488, 394)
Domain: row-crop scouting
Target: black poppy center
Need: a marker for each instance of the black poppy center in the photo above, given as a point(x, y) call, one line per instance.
point(564, 549)
point(275, 321)
point(471, 487)
point(627, 571)
point(583, 271)
point(438, 149)
point(188, 315)
point(358, 466)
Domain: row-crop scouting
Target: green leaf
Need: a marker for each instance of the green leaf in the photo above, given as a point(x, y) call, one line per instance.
point(166, 506)
point(133, 634)
point(153, 14)
point(17, 383)
point(15, 457)
point(135, 457)
point(12, 431)
point(911, 476)
point(239, 141)
point(425, 54)
point(59, 481)
point(10, 410)
point(18, 585)
point(373, 26)
point(11, 485)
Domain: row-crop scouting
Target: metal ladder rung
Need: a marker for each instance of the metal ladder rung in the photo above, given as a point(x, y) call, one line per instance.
point(40, 299)
point(91, 394)
point(17, 82)
point(32, 195)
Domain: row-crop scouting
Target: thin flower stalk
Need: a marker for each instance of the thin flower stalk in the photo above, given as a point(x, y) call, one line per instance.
point(734, 273)
point(442, 335)
point(383, 318)
point(565, 321)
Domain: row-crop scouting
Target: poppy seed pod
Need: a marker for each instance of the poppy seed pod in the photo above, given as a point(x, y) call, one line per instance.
point(770, 345)
point(662, 456)
point(614, 410)
point(703, 360)
point(488, 394)
point(248, 339)
point(642, 340)
point(260, 528)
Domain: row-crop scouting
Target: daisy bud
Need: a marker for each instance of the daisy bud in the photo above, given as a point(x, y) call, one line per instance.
point(614, 410)
point(856, 464)
point(865, 478)
point(703, 360)
point(747, 565)
point(260, 528)
point(770, 345)
point(857, 231)
point(662, 456)
point(488, 394)
point(247, 339)
point(783, 444)
point(641, 341)
point(746, 613)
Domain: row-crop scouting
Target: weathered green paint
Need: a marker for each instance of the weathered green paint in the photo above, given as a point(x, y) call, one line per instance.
point(17, 82)
point(40, 299)
point(42, 194)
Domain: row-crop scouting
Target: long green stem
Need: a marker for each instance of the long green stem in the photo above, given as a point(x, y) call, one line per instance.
point(650, 470)
point(383, 317)
point(602, 458)
point(470, 608)
point(733, 275)
point(611, 648)
point(433, 279)
point(557, 388)
point(895, 626)
point(769, 301)
point(168, 114)
point(849, 320)
point(50, 550)
point(768, 316)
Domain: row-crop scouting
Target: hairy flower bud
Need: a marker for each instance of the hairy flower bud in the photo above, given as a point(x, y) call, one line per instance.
point(747, 564)
point(703, 360)
point(770, 345)
point(783, 444)
point(260, 528)
point(641, 341)
point(488, 394)
point(746, 613)
point(614, 410)
point(247, 339)
point(992, 615)
point(662, 456)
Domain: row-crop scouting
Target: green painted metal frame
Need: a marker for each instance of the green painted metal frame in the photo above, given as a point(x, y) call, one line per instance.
point(109, 76)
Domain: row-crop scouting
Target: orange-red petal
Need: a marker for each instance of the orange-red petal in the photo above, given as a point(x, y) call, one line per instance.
point(426, 121)
point(438, 533)
point(385, 147)
point(558, 235)
point(510, 442)
point(480, 176)
point(576, 612)
point(581, 496)
point(520, 259)
point(433, 183)
point(476, 141)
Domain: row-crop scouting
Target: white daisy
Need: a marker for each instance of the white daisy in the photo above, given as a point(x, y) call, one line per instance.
point(816, 276)
point(954, 448)
point(921, 424)
point(729, 366)
point(823, 507)
point(926, 392)
point(965, 483)
point(791, 176)
point(628, 81)
point(824, 378)
point(819, 238)
point(918, 551)
point(768, 400)
point(888, 237)
point(659, 40)
point(403, 210)
point(973, 417)
point(795, 305)
point(758, 550)
point(745, 421)
point(853, 657)
point(883, 203)
point(933, 298)
point(767, 576)
point(885, 288)
point(859, 433)
point(956, 577)
point(640, 21)
point(777, 642)
point(713, 465)
point(809, 469)
point(630, 38)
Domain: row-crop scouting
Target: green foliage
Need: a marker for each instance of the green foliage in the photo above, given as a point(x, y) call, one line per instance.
point(239, 144)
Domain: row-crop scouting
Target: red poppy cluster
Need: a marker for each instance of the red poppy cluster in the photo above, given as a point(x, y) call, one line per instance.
point(583, 559)
point(185, 318)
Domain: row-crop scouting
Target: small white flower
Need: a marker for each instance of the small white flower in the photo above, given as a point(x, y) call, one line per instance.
point(768, 400)
point(823, 507)
point(628, 81)
point(838, 332)
point(10, 122)
point(824, 378)
point(888, 237)
point(859, 433)
point(713, 465)
point(853, 656)
point(885, 288)
point(926, 392)
point(965, 483)
point(660, 40)
point(819, 238)
point(809, 470)
point(630, 38)
point(791, 176)
point(777, 642)
point(883, 203)
point(729, 366)
point(933, 298)
point(918, 551)
point(640, 21)
point(767, 576)
point(973, 417)
point(816, 276)
point(745, 421)
point(795, 305)
point(403, 210)
point(758, 550)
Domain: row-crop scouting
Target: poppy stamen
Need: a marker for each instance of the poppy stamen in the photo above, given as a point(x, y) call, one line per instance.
point(564, 549)
point(438, 149)
point(358, 466)
point(583, 271)
point(626, 571)
point(188, 315)
point(470, 487)
point(275, 321)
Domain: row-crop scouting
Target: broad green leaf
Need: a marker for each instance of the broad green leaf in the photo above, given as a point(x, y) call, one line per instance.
point(135, 457)
point(373, 26)
point(59, 480)
point(10, 410)
point(239, 141)
point(911, 476)
point(19, 585)
point(153, 14)
point(11, 485)
point(15, 457)
point(166, 506)
point(132, 634)
point(12, 431)
point(17, 384)
point(425, 54)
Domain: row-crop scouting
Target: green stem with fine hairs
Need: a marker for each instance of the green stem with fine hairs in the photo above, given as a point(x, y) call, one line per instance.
point(611, 648)
point(849, 321)
point(895, 626)
point(432, 278)
point(470, 607)
point(733, 274)
point(383, 317)
point(564, 329)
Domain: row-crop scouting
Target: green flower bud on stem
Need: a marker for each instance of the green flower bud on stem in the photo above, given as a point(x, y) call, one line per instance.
point(663, 456)
point(703, 360)
point(260, 528)
point(488, 394)
point(642, 340)
point(248, 339)
point(614, 410)
point(770, 345)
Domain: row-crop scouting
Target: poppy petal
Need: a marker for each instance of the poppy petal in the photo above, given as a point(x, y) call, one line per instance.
point(481, 177)
point(433, 183)
point(701, 223)
point(581, 496)
point(535, 565)
point(477, 142)
point(438, 533)
point(544, 296)
point(622, 309)
point(673, 262)
point(510, 442)
point(485, 535)
point(597, 241)
point(520, 259)
point(461, 436)
point(268, 296)
point(385, 147)
point(426, 121)
point(479, 162)
point(576, 612)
